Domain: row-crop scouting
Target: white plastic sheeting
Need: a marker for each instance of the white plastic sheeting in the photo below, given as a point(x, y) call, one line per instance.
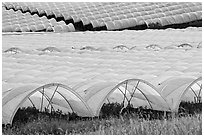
point(87, 98)
point(113, 17)
point(134, 91)
point(193, 92)
point(178, 89)
point(51, 96)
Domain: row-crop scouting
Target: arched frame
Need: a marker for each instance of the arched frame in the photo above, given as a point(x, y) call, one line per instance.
point(126, 82)
point(52, 85)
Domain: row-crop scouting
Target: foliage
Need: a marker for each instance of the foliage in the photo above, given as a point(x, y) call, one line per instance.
point(139, 121)
point(189, 108)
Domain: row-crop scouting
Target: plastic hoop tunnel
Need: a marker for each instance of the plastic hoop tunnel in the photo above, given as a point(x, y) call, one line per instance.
point(50, 97)
point(178, 89)
point(136, 92)
point(196, 88)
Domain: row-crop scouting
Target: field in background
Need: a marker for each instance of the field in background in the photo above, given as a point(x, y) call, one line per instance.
point(82, 16)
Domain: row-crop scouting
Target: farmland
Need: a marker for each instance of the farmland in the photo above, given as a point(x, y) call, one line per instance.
point(102, 68)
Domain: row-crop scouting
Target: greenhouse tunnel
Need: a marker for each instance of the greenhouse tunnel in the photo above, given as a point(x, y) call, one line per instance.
point(50, 97)
point(135, 92)
point(87, 99)
point(181, 89)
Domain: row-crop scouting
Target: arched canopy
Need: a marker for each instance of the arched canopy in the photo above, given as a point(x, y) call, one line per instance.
point(171, 20)
point(178, 19)
point(106, 19)
point(85, 21)
point(25, 29)
point(40, 27)
point(58, 28)
point(132, 22)
point(110, 25)
point(132, 91)
point(174, 89)
point(71, 27)
point(52, 97)
point(125, 23)
point(7, 29)
point(66, 16)
point(65, 28)
point(164, 21)
point(118, 24)
point(94, 23)
point(193, 92)
point(49, 12)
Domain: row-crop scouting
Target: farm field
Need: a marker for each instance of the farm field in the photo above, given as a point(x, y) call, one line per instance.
point(143, 54)
point(84, 59)
point(65, 72)
point(101, 56)
point(82, 16)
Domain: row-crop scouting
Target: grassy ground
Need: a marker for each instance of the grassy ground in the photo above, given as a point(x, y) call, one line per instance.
point(189, 125)
point(131, 124)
